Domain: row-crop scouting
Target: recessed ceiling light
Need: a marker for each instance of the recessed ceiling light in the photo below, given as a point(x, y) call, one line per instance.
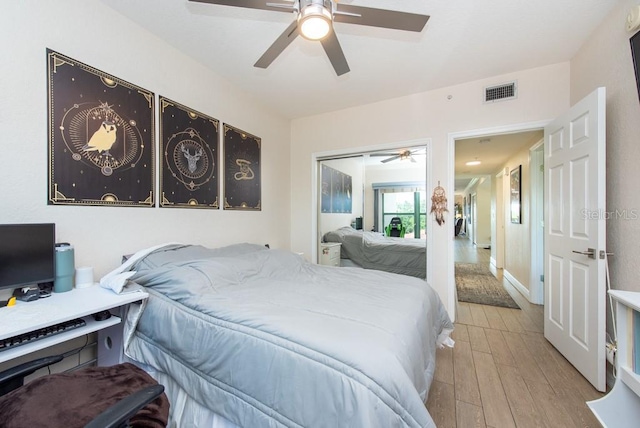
point(472, 163)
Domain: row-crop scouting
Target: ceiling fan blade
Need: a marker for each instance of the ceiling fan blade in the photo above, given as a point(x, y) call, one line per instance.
point(251, 4)
point(390, 159)
point(333, 49)
point(380, 18)
point(278, 46)
point(383, 154)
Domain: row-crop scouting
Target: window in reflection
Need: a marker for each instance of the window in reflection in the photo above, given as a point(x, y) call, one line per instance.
point(410, 208)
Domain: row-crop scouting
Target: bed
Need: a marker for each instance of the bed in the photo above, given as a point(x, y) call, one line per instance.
point(372, 250)
point(252, 337)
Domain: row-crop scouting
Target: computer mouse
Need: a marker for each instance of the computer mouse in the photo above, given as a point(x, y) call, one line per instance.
point(102, 315)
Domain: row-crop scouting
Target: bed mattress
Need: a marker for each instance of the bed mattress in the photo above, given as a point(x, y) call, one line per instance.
point(372, 250)
point(266, 339)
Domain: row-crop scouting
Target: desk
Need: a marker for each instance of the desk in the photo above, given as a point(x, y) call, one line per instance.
point(77, 303)
point(621, 406)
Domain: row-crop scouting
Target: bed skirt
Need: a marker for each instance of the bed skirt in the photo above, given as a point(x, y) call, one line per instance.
point(184, 411)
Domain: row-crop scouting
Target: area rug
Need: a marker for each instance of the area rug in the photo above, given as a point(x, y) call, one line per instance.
point(476, 284)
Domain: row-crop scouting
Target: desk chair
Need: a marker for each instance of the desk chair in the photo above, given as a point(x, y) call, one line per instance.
point(106, 397)
point(458, 227)
point(395, 228)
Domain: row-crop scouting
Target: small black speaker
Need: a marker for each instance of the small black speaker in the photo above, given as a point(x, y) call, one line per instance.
point(358, 223)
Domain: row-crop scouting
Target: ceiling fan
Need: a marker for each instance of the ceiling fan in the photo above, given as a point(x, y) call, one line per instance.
point(403, 155)
point(314, 21)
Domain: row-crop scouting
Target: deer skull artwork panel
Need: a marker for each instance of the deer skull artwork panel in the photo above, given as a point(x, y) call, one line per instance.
point(189, 150)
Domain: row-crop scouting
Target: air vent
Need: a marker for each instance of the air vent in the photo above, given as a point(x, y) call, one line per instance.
point(506, 91)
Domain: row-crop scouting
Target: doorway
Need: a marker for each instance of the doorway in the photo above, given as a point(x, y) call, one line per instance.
point(483, 166)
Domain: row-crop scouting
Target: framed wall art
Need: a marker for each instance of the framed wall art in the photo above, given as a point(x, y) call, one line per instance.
point(101, 137)
point(516, 199)
point(189, 157)
point(336, 191)
point(242, 174)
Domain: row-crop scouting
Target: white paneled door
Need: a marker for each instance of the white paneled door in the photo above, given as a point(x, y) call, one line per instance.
point(575, 289)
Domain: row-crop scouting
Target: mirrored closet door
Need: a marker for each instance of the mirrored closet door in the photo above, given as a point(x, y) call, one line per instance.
point(372, 211)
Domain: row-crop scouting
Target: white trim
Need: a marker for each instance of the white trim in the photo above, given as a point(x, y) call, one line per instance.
point(500, 219)
point(536, 214)
point(315, 203)
point(516, 284)
point(492, 267)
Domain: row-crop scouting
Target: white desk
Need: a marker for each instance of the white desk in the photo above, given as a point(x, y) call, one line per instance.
point(620, 408)
point(25, 317)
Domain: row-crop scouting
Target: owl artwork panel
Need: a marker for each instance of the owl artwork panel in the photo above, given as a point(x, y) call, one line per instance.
point(101, 137)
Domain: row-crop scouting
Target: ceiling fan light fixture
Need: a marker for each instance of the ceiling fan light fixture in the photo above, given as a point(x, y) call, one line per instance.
point(314, 21)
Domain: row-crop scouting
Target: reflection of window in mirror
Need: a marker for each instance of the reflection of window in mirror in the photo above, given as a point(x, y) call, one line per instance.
point(410, 208)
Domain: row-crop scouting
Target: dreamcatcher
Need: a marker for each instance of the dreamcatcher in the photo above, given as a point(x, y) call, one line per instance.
point(439, 204)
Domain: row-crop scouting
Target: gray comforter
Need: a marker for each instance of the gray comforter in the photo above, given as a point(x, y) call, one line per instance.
point(372, 250)
point(266, 339)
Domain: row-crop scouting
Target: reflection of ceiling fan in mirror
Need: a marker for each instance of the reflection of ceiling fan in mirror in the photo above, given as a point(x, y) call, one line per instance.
point(403, 155)
point(314, 21)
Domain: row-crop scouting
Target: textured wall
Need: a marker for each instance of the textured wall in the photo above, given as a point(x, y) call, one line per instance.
point(543, 93)
point(605, 60)
point(91, 32)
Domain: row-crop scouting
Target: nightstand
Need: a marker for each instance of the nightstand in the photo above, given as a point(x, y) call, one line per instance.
point(330, 253)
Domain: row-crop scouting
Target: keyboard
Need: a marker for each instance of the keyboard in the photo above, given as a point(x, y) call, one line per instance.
point(43, 333)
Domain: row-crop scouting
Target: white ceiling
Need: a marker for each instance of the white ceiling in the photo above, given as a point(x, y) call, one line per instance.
point(492, 151)
point(464, 40)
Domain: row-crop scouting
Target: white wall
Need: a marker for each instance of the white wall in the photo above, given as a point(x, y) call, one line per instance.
point(517, 252)
point(91, 32)
point(482, 189)
point(543, 93)
point(605, 60)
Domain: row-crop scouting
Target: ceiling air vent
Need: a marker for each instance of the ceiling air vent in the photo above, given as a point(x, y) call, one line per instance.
point(506, 91)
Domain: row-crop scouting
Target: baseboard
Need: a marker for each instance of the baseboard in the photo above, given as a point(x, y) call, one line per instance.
point(517, 284)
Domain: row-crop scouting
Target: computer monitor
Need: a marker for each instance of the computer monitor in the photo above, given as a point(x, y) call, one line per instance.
point(635, 55)
point(27, 254)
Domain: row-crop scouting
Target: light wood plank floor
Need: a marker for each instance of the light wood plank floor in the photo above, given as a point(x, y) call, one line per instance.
point(502, 372)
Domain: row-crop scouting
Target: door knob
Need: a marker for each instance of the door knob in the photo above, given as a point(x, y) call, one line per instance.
point(591, 253)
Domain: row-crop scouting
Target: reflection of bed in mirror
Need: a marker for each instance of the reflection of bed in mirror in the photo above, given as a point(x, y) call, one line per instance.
point(372, 250)
point(251, 337)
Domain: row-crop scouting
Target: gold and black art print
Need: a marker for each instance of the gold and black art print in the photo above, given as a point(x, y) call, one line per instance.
point(101, 137)
point(242, 178)
point(189, 146)
point(336, 191)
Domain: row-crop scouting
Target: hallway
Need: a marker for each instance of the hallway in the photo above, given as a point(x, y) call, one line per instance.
point(502, 372)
